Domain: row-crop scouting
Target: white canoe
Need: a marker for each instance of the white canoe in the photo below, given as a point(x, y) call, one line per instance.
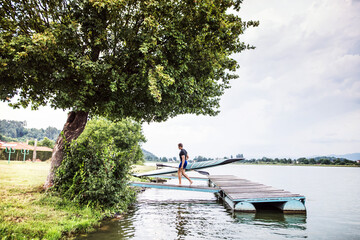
point(190, 166)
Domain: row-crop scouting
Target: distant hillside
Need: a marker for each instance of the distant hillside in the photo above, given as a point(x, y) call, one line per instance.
point(16, 131)
point(148, 156)
point(331, 158)
point(349, 156)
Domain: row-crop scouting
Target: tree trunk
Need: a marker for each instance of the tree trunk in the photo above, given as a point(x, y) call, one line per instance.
point(34, 151)
point(73, 127)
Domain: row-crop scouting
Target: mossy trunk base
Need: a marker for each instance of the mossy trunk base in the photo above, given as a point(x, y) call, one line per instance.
point(73, 127)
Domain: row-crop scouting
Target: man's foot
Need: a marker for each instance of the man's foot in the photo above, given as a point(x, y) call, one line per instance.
point(191, 182)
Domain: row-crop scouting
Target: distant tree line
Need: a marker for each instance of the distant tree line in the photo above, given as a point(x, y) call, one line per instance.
point(16, 131)
point(148, 156)
point(201, 158)
point(303, 161)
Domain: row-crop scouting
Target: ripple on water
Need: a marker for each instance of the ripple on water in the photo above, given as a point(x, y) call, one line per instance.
point(200, 220)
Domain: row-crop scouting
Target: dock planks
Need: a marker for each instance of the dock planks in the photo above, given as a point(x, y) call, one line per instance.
point(242, 195)
point(237, 188)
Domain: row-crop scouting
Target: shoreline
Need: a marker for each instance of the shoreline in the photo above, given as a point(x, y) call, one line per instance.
point(274, 164)
point(297, 165)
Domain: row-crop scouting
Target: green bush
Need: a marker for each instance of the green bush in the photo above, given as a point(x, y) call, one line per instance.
point(96, 168)
point(47, 143)
point(43, 143)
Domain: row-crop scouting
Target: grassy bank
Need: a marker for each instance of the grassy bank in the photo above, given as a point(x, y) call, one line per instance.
point(142, 168)
point(27, 212)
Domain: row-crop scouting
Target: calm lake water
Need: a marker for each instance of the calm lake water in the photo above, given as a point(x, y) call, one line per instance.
point(332, 203)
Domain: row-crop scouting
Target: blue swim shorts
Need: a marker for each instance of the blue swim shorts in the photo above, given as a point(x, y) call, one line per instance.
point(185, 163)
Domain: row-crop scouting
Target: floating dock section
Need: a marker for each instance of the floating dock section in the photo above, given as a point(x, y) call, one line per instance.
point(241, 194)
point(246, 196)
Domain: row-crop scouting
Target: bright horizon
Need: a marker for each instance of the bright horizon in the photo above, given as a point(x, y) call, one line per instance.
point(297, 95)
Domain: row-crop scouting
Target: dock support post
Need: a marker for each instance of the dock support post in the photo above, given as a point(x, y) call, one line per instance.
point(293, 206)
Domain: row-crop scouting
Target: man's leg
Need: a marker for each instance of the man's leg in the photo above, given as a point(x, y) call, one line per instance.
point(183, 173)
point(179, 175)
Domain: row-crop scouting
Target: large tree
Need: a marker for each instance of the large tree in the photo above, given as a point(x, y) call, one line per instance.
point(149, 60)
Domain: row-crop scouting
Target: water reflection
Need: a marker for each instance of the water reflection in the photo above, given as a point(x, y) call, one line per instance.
point(199, 220)
point(162, 214)
point(181, 222)
point(167, 214)
point(272, 219)
point(124, 227)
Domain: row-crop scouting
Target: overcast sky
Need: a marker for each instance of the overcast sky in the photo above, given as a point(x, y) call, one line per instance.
point(298, 92)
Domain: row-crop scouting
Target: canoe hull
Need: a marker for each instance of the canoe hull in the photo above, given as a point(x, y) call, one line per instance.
point(190, 166)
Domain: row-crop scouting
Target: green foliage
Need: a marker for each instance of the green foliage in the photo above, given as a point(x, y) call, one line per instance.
point(149, 60)
point(46, 143)
point(12, 129)
point(163, 159)
point(96, 167)
point(15, 131)
point(43, 143)
point(7, 139)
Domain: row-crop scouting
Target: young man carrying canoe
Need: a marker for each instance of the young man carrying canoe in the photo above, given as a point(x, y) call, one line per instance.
point(183, 162)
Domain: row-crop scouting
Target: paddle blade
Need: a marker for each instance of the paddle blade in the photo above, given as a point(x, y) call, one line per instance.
point(203, 172)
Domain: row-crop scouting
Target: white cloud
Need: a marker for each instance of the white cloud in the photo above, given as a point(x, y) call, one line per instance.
point(42, 118)
point(298, 93)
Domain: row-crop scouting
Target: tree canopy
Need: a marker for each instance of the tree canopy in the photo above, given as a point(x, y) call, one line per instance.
point(149, 60)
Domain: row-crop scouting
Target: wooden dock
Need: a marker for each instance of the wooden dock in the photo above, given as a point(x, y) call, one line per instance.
point(241, 194)
point(244, 195)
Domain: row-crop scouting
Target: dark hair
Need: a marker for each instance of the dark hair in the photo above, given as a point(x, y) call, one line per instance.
point(180, 145)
